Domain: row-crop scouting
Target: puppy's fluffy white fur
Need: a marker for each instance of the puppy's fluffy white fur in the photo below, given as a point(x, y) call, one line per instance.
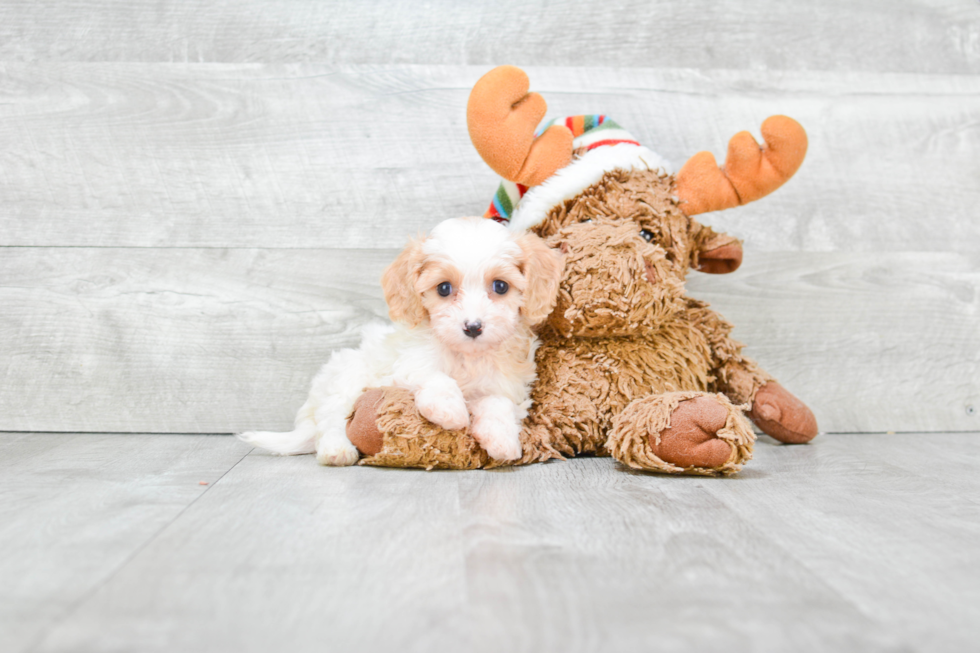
point(504, 281)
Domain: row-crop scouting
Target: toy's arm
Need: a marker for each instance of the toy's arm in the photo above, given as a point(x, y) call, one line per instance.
point(750, 171)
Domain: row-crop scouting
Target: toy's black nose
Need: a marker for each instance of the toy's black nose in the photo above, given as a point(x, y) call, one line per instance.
point(473, 329)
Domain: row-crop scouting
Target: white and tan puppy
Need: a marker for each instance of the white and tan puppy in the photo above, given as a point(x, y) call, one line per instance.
point(463, 301)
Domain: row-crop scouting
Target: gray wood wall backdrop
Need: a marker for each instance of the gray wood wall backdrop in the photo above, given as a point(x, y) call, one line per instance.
point(196, 200)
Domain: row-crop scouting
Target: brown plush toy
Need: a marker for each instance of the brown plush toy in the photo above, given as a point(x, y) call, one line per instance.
point(628, 366)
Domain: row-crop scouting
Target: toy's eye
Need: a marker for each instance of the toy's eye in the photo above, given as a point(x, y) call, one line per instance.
point(444, 289)
point(500, 287)
point(646, 235)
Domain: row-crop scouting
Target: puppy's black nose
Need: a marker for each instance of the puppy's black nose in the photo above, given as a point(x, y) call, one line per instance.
point(473, 329)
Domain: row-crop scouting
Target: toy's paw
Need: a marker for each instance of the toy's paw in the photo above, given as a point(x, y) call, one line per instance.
point(782, 416)
point(362, 427)
point(443, 405)
point(682, 433)
point(335, 450)
point(691, 440)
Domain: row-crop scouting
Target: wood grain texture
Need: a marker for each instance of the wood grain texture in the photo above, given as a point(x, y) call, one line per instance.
point(212, 155)
point(74, 509)
point(214, 340)
point(873, 35)
point(197, 199)
point(308, 561)
point(830, 546)
point(177, 340)
point(877, 342)
point(914, 562)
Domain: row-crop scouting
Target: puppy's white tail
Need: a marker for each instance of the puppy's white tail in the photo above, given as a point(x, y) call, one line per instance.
point(292, 443)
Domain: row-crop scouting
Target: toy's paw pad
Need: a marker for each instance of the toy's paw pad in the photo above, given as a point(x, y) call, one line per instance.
point(691, 440)
point(443, 407)
point(362, 427)
point(782, 416)
point(335, 451)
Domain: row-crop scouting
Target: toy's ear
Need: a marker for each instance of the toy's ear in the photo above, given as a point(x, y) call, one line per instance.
point(715, 253)
point(542, 268)
point(721, 260)
point(398, 283)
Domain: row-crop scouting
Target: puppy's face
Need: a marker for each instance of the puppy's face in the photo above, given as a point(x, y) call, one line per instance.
point(474, 282)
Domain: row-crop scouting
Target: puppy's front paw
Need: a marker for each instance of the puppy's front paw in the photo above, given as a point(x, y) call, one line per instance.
point(500, 437)
point(336, 451)
point(443, 407)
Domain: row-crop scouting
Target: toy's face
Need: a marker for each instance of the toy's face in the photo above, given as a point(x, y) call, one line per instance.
point(615, 282)
point(627, 250)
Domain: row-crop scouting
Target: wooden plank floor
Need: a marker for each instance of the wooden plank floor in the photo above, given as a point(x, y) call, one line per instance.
point(855, 542)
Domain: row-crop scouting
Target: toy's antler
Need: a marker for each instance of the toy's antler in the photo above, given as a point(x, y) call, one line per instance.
point(502, 117)
point(750, 171)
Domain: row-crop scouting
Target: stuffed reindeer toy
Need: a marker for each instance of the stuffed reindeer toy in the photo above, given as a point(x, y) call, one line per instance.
point(628, 366)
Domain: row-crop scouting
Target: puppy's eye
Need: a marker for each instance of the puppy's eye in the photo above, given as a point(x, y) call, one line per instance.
point(646, 235)
point(587, 220)
point(500, 287)
point(444, 289)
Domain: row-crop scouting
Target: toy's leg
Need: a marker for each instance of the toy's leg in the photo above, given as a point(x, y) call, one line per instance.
point(388, 430)
point(682, 433)
point(774, 409)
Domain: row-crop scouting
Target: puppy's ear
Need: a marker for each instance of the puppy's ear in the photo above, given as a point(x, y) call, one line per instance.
point(542, 268)
point(398, 283)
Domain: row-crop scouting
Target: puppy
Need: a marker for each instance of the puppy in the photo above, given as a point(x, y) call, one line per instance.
point(463, 301)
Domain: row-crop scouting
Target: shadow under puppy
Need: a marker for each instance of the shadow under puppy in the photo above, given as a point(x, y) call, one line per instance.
point(463, 301)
